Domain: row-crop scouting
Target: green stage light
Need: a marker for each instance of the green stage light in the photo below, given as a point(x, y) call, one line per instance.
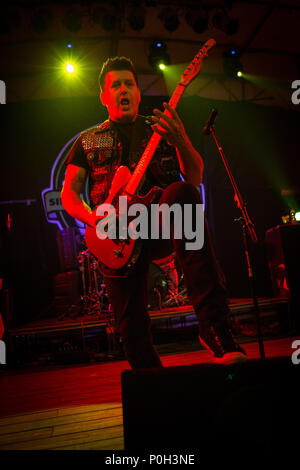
point(232, 64)
point(158, 55)
point(297, 216)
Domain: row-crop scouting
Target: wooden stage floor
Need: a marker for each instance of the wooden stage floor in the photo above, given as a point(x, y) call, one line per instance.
point(79, 407)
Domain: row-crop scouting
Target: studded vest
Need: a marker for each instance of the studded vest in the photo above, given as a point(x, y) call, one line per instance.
point(103, 152)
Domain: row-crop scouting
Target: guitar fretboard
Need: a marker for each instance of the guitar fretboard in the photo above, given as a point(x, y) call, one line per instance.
point(189, 74)
point(151, 147)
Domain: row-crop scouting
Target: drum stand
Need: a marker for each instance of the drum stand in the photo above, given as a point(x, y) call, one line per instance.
point(94, 296)
point(248, 230)
point(90, 297)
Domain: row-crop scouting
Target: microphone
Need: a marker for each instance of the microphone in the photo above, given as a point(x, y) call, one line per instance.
point(210, 122)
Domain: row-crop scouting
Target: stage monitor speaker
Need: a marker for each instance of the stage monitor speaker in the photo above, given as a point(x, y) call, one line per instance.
point(252, 406)
point(283, 254)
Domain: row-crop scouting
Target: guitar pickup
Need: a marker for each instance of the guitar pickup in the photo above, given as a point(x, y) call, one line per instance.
point(118, 253)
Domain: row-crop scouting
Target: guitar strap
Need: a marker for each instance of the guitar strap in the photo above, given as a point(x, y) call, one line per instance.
point(139, 140)
point(139, 135)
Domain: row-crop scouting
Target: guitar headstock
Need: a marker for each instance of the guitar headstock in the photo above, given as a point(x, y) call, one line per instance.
point(194, 67)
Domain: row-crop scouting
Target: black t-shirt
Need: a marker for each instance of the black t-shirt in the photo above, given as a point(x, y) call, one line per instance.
point(125, 132)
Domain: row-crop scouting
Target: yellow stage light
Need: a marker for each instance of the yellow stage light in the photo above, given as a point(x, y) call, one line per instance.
point(70, 68)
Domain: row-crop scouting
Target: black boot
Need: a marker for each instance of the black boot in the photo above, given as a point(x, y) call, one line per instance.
point(218, 339)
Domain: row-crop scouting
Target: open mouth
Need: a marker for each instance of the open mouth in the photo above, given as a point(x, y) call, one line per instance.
point(124, 102)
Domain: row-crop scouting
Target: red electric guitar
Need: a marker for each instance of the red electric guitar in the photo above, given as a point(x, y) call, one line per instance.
point(120, 252)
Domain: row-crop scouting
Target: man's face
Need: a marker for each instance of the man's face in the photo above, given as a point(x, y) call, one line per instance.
point(121, 96)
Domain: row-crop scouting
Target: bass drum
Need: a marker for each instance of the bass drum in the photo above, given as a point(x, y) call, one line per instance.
point(166, 284)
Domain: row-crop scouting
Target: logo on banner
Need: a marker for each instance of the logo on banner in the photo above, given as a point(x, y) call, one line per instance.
point(51, 197)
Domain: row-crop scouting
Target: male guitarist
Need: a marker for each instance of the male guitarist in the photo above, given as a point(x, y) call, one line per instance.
point(98, 153)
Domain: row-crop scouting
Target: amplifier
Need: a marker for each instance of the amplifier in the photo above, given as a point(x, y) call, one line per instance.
point(283, 255)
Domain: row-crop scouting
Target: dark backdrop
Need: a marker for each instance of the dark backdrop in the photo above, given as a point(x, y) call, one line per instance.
point(260, 143)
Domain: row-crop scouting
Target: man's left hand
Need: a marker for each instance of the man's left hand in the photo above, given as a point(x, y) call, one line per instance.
point(169, 126)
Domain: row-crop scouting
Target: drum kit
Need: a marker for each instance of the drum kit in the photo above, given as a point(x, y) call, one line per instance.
point(165, 286)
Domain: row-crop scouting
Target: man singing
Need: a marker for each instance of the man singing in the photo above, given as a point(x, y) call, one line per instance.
point(97, 154)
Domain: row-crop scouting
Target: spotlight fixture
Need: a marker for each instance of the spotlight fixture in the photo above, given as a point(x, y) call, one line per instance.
point(158, 55)
point(197, 18)
point(170, 19)
point(41, 20)
point(9, 20)
point(72, 20)
point(233, 67)
point(105, 16)
point(221, 20)
point(136, 16)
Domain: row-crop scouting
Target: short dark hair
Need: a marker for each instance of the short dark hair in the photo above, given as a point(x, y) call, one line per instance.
point(116, 63)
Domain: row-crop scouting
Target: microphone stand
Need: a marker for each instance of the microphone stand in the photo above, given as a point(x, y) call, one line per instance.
point(248, 231)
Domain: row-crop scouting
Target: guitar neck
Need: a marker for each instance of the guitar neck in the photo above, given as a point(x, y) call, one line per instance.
point(151, 147)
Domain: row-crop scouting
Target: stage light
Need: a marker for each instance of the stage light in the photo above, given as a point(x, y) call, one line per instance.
point(41, 20)
point(136, 16)
point(9, 20)
point(72, 20)
point(297, 216)
point(70, 68)
point(158, 55)
point(225, 23)
point(106, 17)
point(197, 19)
point(169, 17)
point(233, 67)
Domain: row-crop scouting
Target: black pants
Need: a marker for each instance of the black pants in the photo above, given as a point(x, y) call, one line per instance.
point(203, 278)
